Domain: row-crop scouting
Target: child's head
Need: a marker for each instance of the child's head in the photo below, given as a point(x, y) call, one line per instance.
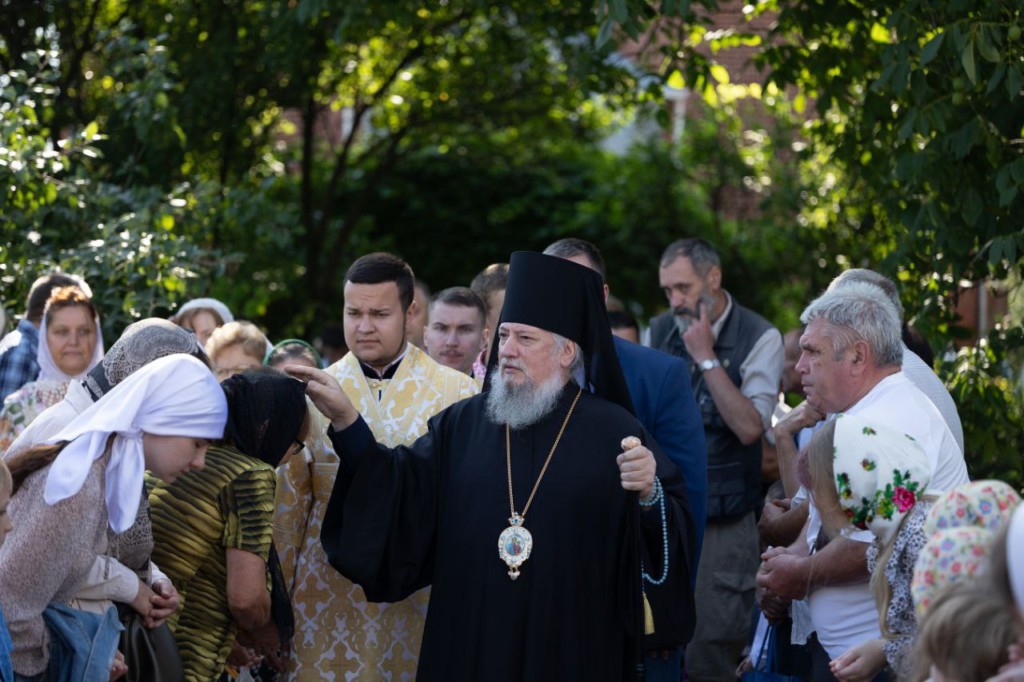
point(980, 504)
point(965, 635)
point(865, 475)
point(6, 486)
point(950, 555)
point(961, 528)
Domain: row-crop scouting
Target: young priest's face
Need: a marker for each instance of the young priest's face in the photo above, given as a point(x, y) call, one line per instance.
point(375, 322)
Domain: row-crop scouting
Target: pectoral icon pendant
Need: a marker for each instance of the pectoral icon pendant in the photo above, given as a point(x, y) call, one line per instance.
point(514, 545)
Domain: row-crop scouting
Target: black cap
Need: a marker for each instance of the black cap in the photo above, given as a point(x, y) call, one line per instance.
point(565, 298)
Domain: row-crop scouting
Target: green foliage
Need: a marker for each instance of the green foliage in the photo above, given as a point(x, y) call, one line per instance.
point(988, 397)
point(233, 113)
point(930, 113)
point(55, 215)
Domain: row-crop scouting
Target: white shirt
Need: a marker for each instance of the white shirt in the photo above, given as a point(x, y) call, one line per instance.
point(925, 379)
point(846, 616)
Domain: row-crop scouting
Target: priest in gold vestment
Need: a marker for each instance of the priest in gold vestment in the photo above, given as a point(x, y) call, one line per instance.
point(397, 387)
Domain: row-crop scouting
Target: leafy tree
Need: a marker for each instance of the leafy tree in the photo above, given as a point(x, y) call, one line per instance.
point(988, 398)
point(919, 102)
point(56, 215)
point(192, 95)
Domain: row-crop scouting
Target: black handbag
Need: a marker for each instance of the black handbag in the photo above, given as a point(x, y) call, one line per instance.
point(150, 654)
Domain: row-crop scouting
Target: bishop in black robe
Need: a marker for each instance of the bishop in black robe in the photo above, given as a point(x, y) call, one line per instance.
point(430, 514)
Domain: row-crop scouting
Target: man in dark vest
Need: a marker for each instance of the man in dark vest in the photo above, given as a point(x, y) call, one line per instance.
point(735, 358)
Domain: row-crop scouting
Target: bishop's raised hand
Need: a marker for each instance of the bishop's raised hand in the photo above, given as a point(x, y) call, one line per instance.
point(326, 394)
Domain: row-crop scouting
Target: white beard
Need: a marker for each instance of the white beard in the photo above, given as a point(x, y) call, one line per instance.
point(682, 323)
point(524, 404)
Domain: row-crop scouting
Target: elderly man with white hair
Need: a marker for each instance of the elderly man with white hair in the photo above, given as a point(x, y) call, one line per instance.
point(850, 362)
point(519, 506)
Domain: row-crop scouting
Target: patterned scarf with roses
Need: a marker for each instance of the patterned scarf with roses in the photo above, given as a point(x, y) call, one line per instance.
point(880, 474)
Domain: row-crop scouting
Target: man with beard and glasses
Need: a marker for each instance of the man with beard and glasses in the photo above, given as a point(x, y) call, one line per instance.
point(398, 387)
point(735, 359)
point(519, 506)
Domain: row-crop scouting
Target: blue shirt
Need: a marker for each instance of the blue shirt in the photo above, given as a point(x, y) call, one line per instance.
point(18, 364)
point(6, 647)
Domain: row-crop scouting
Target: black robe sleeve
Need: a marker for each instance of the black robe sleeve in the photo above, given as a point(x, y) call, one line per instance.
point(379, 527)
point(672, 602)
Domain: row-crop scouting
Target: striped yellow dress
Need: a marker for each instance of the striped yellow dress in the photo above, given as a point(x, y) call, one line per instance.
point(227, 504)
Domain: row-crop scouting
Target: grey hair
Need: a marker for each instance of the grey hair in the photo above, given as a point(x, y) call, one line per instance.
point(860, 311)
point(576, 368)
point(702, 255)
point(879, 280)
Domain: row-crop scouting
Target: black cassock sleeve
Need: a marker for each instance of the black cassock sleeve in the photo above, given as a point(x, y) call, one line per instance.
point(672, 602)
point(380, 524)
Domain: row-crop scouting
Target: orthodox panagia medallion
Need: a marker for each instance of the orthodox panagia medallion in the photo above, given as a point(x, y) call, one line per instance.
point(514, 545)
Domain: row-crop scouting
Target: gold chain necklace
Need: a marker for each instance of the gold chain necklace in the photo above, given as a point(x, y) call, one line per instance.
point(515, 542)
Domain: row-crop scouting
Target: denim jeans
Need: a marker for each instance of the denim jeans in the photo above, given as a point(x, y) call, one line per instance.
point(661, 670)
point(82, 645)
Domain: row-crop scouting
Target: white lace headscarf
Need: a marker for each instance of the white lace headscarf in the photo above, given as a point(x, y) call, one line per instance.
point(48, 369)
point(172, 396)
point(141, 343)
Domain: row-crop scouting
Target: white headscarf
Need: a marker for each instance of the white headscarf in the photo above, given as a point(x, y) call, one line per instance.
point(1015, 556)
point(212, 304)
point(173, 396)
point(48, 369)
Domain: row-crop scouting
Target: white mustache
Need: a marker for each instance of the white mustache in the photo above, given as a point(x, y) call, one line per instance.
point(514, 364)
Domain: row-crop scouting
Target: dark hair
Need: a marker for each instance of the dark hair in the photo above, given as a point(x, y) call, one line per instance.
point(462, 297)
point(701, 253)
point(267, 413)
point(377, 268)
point(620, 319)
point(491, 279)
point(43, 288)
point(915, 341)
point(572, 246)
point(332, 335)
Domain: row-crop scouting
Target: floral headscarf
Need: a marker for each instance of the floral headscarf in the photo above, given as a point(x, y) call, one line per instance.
point(880, 473)
point(983, 504)
point(949, 555)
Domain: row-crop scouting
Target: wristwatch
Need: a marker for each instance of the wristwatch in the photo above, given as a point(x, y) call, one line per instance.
point(705, 365)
